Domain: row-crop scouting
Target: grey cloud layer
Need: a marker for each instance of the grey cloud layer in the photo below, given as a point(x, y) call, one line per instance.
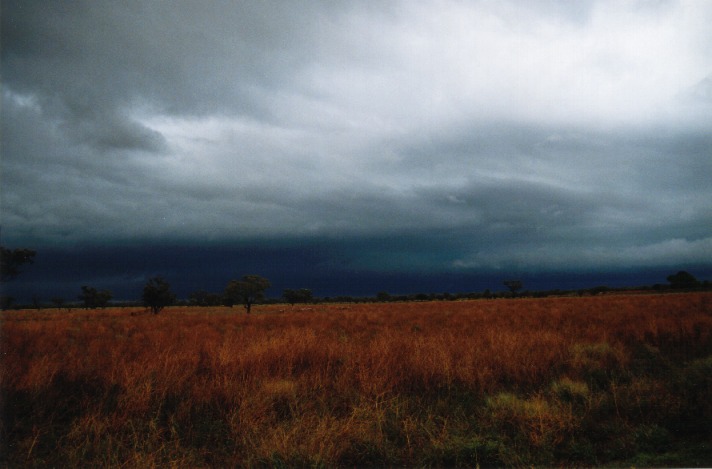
point(505, 133)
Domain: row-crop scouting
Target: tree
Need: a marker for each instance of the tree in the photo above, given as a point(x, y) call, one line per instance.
point(12, 259)
point(383, 296)
point(513, 285)
point(246, 291)
point(93, 298)
point(303, 295)
point(157, 294)
point(88, 296)
point(204, 298)
point(682, 280)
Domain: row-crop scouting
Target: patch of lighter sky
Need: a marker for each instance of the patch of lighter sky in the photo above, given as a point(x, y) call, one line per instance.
point(674, 251)
point(22, 100)
point(619, 68)
point(247, 151)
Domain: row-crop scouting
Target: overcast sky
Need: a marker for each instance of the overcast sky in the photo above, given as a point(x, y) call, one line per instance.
point(413, 136)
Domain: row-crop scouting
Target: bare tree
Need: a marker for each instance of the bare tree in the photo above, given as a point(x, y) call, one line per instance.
point(12, 259)
point(513, 285)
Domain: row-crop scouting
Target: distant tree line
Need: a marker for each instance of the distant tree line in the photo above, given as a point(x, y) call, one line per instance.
point(250, 290)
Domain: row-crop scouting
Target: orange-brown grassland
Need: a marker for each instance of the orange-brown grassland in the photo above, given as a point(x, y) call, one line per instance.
point(606, 380)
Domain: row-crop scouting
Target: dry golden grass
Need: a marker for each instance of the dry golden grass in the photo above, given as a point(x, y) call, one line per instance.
point(526, 381)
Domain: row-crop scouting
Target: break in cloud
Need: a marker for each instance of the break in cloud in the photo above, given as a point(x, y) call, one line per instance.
point(424, 135)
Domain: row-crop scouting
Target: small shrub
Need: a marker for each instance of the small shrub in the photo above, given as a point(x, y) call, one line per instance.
point(598, 364)
point(533, 427)
point(647, 401)
point(573, 392)
point(649, 360)
point(695, 387)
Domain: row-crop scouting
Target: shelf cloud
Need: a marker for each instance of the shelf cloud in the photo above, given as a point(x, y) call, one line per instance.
point(482, 135)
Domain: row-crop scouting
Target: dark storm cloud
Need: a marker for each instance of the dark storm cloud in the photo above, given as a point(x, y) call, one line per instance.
point(441, 136)
point(329, 267)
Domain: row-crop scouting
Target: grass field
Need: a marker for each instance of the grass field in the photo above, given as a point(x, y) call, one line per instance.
point(606, 380)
